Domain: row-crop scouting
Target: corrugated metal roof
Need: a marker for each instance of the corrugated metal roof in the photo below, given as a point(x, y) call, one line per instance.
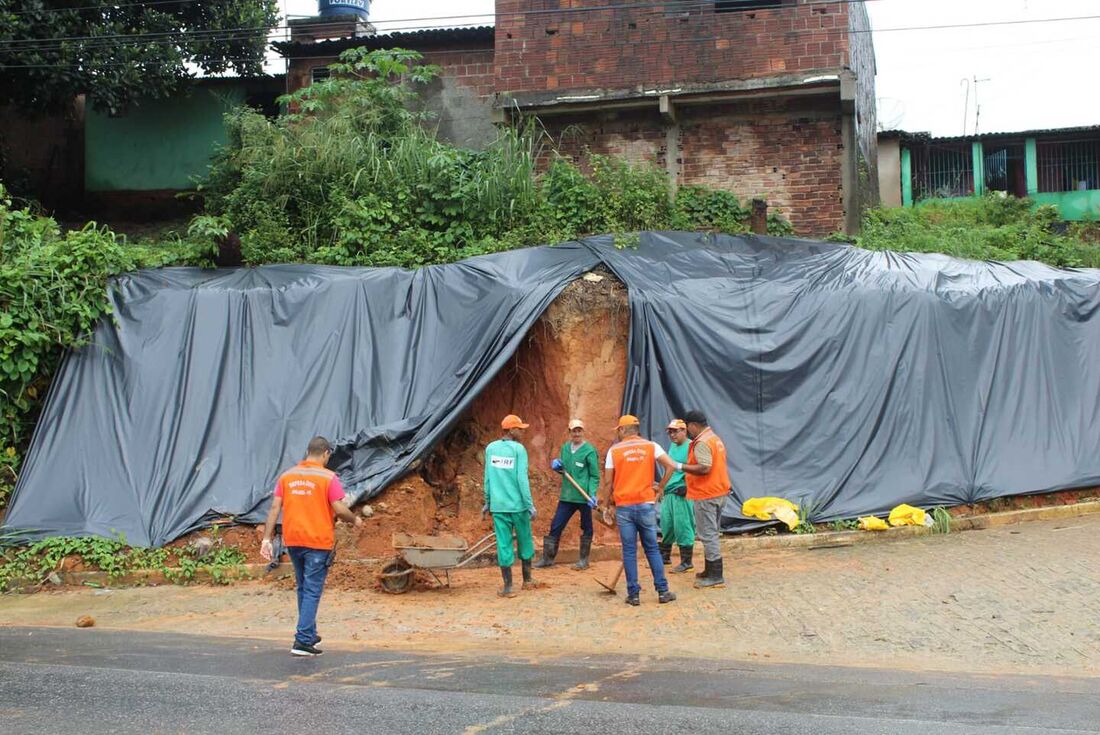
point(905, 135)
point(407, 39)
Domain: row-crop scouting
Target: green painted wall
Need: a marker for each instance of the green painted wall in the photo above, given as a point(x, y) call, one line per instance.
point(1075, 206)
point(906, 178)
point(160, 144)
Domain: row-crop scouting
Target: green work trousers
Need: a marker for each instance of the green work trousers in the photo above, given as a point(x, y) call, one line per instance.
point(507, 525)
point(677, 520)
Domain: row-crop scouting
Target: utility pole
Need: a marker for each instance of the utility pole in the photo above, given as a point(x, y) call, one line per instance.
point(977, 106)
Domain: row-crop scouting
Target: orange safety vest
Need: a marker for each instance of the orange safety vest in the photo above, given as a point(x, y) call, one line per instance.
point(715, 483)
point(635, 464)
point(307, 512)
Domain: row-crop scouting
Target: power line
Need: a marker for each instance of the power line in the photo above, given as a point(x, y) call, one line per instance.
point(247, 33)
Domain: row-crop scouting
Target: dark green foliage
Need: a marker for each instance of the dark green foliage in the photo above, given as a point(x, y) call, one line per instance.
point(53, 50)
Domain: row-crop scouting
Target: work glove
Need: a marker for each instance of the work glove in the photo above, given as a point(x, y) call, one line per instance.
point(484, 511)
point(592, 502)
point(265, 549)
point(556, 465)
point(534, 513)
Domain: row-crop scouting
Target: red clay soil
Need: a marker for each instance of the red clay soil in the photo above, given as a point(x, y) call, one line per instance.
point(572, 364)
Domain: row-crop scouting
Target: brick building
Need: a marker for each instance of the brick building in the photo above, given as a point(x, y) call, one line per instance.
point(765, 98)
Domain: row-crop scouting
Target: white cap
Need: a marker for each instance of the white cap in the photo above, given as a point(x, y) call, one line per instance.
point(575, 424)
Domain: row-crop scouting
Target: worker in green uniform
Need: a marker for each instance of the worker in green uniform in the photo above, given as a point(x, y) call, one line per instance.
point(677, 512)
point(508, 498)
point(578, 459)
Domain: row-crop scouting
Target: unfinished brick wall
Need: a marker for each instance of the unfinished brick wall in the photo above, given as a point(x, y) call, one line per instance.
point(460, 99)
point(787, 152)
point(651, 47)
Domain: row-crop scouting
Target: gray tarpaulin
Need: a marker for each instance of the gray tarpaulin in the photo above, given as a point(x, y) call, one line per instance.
point(841, 378)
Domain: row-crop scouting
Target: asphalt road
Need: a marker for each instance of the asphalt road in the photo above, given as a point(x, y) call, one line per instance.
point(95, 681)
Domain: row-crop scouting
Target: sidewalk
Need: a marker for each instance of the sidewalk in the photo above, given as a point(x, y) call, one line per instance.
point(1014, 599)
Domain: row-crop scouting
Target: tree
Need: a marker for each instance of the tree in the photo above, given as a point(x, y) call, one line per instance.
point(116, 52)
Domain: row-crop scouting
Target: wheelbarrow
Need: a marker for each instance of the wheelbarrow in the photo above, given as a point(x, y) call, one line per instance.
point(432, 554)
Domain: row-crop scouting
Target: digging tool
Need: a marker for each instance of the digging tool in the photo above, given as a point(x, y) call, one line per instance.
point(610, 587)
point(601, 514)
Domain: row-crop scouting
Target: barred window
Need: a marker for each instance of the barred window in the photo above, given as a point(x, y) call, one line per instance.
point(943, 170)
point(319, 73)
point(1068, 165)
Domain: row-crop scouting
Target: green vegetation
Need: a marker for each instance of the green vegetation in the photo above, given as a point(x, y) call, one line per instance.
point(941, 520)
point(33, 564)
point(52, 292)
point(354, 175)
point(992, 227)
point(847, 524)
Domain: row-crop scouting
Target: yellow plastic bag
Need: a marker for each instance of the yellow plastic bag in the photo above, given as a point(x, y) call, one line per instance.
point(906, 515)
point(765, 509)
point(870, 523)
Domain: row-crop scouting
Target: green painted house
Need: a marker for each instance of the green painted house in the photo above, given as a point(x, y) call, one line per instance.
point(1060, 167)
point(135, 164)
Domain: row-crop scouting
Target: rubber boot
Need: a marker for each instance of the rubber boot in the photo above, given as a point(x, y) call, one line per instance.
point(706, 570)
point(715, 579)
point(528, 581)
point(506, 590)
point(685, 564)
point(586, 550)
point(666, 553)
point(549, 551)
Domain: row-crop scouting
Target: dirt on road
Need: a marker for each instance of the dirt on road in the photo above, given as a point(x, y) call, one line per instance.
point(1019, 599)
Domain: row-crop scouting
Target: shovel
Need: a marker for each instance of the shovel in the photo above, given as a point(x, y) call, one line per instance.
point(610, 586)
point(601, 513)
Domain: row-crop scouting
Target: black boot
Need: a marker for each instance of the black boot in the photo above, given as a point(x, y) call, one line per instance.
point(715, 579)
point(706, 569)
point(506, 590)
point(666, 553)
point(685, 564)
point(549, 551)
point(528, 582)
point(586, 549)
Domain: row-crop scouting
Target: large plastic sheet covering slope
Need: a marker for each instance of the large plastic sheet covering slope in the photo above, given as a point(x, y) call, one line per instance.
point(847, 380)
point(208, 383)
point(851, 381)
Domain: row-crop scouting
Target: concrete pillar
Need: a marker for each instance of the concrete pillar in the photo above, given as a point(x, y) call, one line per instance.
point(849, 173)
point(673, 151)
point(1031, 166)
point(978, 157)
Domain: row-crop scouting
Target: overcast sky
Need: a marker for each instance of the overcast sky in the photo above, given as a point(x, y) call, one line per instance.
point(1039, 74)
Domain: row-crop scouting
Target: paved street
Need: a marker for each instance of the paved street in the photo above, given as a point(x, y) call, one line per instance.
point(1021, 599)
point(92, 681)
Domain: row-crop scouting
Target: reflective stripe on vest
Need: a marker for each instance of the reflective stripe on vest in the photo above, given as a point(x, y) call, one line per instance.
point(715, 483)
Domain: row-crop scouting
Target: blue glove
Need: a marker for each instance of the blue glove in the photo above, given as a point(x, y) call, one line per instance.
point(556, 465)
point(592, 502)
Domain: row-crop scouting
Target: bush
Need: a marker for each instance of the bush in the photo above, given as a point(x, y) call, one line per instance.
point(354, 176)
point(53, 289)
point(992, 227)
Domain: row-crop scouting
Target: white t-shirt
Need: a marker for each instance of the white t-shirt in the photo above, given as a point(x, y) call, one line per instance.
point(609, 464)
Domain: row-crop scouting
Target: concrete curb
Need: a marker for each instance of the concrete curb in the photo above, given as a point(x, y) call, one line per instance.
point(829, 539)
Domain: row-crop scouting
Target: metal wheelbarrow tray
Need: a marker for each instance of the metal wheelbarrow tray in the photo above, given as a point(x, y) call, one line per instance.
point(432, 554)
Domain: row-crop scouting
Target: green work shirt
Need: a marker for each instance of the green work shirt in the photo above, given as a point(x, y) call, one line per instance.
point(678, 453)
point(584, 467)
point(507, 489)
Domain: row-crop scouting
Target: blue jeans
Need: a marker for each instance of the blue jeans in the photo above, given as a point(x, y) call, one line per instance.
point(636, 521)
point(310, 570)
point(564, 512)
